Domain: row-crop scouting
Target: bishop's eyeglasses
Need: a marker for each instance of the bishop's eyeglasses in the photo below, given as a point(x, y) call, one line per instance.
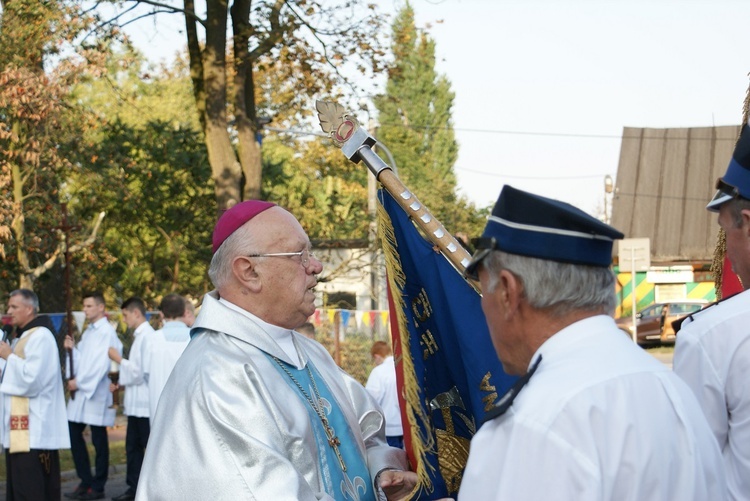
point(304, 255)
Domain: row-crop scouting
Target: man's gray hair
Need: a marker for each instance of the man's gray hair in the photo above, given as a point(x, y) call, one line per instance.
point(29, 297)
point(560, 288)
point(237, 244)
point(736, 206)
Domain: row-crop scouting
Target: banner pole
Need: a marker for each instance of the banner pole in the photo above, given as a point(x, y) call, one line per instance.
point(356, 143)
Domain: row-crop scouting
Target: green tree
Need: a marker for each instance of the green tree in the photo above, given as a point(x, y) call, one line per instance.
point(416, 125)
point(146, 165)
point(307, 37)
point(319, 185)
point(35, 129)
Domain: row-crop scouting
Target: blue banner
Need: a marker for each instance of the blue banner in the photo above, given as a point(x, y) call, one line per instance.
point(57, 320)
point(446, 353)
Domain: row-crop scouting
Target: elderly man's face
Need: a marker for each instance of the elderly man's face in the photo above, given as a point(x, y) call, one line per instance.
point(21, 313)
point(506, 336)
point(287, 285)
point(738, 243)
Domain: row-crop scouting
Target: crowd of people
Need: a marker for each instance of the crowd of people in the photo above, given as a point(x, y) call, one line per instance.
point(255, 408)
point(37, 423)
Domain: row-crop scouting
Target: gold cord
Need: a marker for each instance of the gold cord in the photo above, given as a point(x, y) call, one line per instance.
point(333, 440)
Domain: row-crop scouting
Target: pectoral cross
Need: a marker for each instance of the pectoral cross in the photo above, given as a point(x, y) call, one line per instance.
point(334, 442)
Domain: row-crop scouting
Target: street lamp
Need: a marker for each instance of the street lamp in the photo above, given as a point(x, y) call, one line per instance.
point(609, 187)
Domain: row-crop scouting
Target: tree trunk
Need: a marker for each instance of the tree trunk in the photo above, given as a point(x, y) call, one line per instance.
point(248, 147)
point(19, 229)
point(210, 89)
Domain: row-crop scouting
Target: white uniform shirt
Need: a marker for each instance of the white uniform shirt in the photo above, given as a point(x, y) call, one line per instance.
point(382, 386)
point(164, 349)
point(91, 363)
point(135, 402)
point(599, 420)
point(713, 356)
point(37, 377)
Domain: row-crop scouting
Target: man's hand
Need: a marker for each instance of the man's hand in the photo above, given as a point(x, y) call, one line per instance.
point(68, 343)
point(72, 386)
point(5, 350)
point(397, 484)
point(113, 387)
point(114, 355)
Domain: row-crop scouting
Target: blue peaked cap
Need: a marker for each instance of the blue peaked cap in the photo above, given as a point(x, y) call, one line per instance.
point(736, 180)
point(531, 225)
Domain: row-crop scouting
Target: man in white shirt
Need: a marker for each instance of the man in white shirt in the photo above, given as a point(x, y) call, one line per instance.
point(382, 385)
point(34, 425)
point(165, 348)
point(136, 401)
point(594, 417)
point(92, 404)
point(189, 317)
point(712, 353)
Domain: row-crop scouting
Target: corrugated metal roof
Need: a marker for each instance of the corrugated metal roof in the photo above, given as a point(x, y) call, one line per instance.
point(665, 178)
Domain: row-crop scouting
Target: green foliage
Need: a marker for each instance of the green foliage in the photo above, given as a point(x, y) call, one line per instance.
point(355, 353)
point(318, 184)
point(38, 128)
point(146, 166)
point(416, 125)
point(152, 178)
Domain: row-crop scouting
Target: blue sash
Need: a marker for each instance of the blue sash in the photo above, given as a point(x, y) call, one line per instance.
point(353, 484)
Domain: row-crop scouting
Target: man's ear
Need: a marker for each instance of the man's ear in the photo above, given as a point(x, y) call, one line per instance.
point(512, 292)
point(745, 213)
point(244, 271)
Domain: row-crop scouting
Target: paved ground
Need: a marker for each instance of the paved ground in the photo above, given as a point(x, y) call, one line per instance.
point(665, 358)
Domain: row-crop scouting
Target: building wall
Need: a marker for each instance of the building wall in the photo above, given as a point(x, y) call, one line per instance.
point(355, 271)
point(647, 292)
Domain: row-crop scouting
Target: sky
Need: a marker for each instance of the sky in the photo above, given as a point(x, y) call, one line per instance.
point(544, 87)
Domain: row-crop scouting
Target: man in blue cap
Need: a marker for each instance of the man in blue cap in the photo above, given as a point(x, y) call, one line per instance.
point(593, 417)
point(713, 347)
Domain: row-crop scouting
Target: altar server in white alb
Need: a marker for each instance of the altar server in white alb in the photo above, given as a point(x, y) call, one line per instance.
point(593, 416)
point(167, 344)
point(713, 347)
point(91, 404)
point(136, 401)
point(256, 410)
point(34, 425)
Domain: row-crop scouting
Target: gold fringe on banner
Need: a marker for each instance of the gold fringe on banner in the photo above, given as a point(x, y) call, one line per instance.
point(717, 266)
point(422, 443)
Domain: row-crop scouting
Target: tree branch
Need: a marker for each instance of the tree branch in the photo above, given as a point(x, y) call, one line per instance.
point(91, 237)
point(274, 34)
point(171, 9)
point(50, 262)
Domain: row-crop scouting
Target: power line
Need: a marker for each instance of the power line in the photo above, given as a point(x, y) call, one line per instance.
point(562, 134)
point(521, 133)
point(537, 178)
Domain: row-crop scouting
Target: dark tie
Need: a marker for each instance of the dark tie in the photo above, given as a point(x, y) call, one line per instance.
point(507, 400)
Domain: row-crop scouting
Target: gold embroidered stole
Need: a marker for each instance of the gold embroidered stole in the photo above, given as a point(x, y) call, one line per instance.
point(19, 408)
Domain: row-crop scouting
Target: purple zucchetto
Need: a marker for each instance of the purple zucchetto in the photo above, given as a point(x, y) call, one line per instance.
point(235, 217)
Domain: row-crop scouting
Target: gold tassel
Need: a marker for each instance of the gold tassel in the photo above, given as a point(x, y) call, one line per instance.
point(717, 266)
point(422, 443)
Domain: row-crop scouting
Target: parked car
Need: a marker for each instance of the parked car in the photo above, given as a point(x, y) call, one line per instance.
point(655, 322)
